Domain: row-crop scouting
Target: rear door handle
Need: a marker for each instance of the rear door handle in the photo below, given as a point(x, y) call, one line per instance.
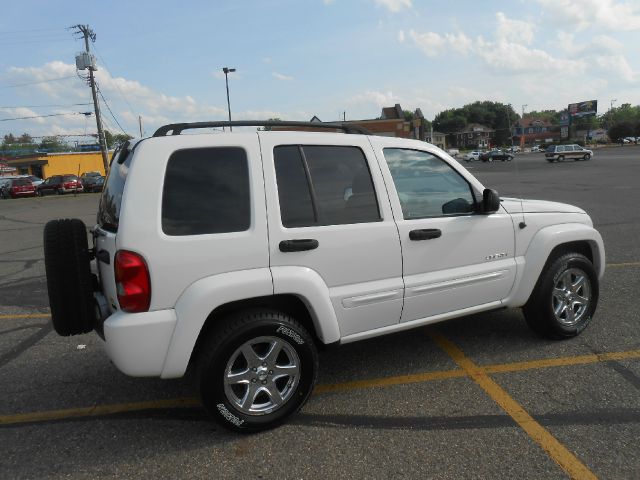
point(425, 234)
point(298, 245)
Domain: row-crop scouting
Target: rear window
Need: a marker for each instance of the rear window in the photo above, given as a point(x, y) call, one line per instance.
point(109, 209)
point(69, 178)
point(206, 190)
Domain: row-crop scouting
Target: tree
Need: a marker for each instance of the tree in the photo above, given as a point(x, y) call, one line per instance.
point(115, 140)
point(267, 128)
point(497, 116)
point(25, 138)
point(53, 144)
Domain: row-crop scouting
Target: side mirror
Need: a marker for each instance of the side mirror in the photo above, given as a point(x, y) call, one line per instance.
point(490, 201)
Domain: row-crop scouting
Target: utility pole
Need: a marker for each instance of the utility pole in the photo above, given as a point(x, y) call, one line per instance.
point(87, 33)
point(227, 71)
point(522, 139)
point(140, 124)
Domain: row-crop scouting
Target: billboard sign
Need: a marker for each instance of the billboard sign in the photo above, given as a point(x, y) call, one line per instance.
point(583, 109)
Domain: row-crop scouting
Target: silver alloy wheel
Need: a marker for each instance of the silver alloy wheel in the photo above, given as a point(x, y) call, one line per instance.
point(261, 375)
point(571, 296)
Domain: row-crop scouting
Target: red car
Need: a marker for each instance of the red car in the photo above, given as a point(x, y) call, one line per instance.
point(18, 187)
point(60, 184)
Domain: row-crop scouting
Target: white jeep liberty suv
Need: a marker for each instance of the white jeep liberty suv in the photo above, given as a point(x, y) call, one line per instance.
point(240, 253)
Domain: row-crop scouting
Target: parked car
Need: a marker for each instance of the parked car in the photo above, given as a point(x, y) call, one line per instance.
point(240, 253)
point(96, 185)
point(561, 152)
point(471, 156)
point(18, 187)
point(89, 179)
point(537, 148)
point(495, 155)
point(60, 184)
point(35, 180)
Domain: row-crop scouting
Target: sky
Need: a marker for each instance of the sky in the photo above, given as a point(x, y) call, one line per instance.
point(295, 59)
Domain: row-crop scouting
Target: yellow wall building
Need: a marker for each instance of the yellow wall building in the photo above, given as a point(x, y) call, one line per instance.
point(49, 164)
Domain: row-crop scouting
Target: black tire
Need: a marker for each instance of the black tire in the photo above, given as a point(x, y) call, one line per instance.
point(550, 160)
point(222, 346)
point(561, 158)
point(540, 310)
point(69, 279)
point(587, 157)
point(39, 193)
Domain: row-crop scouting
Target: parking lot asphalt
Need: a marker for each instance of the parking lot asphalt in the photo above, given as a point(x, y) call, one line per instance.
point(477, 397)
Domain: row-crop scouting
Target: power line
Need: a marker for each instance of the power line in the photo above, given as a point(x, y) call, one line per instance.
point(36, 82)
point(46, 106)
point(44, 116)
point(109, 108)
point(106, 67)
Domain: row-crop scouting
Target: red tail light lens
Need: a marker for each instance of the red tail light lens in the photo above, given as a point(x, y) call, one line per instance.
point(132, 282)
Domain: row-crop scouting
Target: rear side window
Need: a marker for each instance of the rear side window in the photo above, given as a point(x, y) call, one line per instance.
point(109, 209)
point(206, 190)
point(324, 185)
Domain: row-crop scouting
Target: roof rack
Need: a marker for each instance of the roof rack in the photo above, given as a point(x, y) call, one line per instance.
point(177, 128)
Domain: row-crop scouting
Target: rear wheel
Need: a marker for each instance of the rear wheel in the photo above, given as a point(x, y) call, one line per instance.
point(69, 280)
point(561, 158)
point(256, 369)
point(565, 297)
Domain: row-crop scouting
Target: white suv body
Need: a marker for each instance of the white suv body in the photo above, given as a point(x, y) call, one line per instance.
point(385, 234)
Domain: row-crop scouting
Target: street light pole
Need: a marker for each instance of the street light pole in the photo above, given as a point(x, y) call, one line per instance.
point(227, 71)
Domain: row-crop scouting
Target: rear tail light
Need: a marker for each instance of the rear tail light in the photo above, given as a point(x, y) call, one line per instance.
point(132, 282)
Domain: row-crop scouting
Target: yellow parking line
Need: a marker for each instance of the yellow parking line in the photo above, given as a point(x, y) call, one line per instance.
point(389, 381)
point(561, 362)
point(620, 265)
point(97, 410)
point(24, 315)
point(558, 452)
point(323, 388)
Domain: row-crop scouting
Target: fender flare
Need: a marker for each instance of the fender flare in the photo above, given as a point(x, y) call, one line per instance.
point(542, 244)
point(198, 301)
point(309, 286)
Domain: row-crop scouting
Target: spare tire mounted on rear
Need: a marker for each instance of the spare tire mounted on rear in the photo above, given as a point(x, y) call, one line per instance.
point(69, 280)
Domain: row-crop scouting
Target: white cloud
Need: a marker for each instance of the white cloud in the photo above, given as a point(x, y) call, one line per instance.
point(155, 107)
point(379, 99)
point(610, 15)
point(430, 43)
point(401, 37)
point(394, 5)
point(514, 30)
point(280, 76)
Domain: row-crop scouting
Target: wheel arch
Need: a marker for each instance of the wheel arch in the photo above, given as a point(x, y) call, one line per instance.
point(548, 244)
point(300, 292)
point(285, 303)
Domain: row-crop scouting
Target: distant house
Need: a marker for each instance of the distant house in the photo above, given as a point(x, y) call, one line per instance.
point(391, 123)
point(533, 131)
point(474, 135)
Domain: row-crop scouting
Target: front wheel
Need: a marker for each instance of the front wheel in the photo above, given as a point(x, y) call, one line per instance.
point(587, 157)
point(561, 158)
point(256, 369)
point(564, 299)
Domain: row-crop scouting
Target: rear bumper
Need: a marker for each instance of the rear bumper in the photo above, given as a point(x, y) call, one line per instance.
point(137, 343)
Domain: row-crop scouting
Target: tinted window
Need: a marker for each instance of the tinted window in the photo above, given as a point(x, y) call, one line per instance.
point(296, 208)
point(427, 186)
point(109, 209)
point(341, 186)
point(206, 190)
point(69, 178)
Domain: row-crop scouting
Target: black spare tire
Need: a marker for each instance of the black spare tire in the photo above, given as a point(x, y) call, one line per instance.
point(69, 280)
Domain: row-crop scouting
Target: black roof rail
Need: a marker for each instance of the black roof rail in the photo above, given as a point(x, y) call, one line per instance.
point(177, 128)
